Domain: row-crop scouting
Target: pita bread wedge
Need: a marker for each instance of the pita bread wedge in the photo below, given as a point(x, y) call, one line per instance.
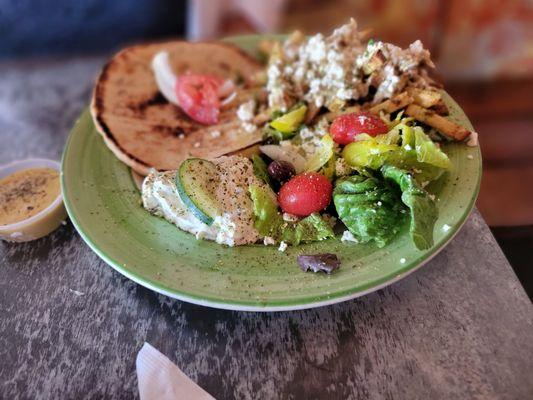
point(145, 131)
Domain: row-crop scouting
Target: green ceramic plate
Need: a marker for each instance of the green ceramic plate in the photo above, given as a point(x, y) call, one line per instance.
point(104, 206)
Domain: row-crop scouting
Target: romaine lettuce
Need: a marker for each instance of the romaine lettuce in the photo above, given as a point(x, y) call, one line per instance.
point(370, 208)
point(422, 208)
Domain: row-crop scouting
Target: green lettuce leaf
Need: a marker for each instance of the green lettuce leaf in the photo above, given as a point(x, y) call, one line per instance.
point(370, 208)
point(422, 208)
point(269, 222)
point(425, 150)
point(309, 229)
point(417, 153)
point(260, 169)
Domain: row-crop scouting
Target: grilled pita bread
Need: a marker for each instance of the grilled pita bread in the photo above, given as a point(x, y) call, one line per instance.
point(145, 131)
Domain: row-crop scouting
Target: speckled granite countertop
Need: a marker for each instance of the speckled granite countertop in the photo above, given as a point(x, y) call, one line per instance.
point(70, 327)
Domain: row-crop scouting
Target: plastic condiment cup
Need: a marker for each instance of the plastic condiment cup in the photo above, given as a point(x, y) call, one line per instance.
point(46, 220)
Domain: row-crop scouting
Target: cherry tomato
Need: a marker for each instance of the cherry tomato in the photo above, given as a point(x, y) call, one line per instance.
point(198, 97)
point(305, 194)
point(346, 127)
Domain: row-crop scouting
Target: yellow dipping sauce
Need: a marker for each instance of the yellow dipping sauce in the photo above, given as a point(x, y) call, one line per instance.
point(25, 193)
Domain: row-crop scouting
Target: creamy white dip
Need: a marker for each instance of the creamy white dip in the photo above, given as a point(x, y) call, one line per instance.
point(234, 226)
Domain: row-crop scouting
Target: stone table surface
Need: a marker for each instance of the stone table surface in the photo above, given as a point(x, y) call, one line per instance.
point(70, 326)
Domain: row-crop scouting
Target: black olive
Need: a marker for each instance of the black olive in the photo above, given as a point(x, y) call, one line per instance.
point(326, 262)
point(281, 171)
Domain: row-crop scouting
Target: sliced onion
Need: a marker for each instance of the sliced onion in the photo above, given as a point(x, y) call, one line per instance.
point(164, 77)
point(278, 153)
point(166, 81)
point(226, 89)
point(228, 99)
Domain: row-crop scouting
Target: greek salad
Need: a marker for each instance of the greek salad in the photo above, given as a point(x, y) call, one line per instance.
point(352, 132)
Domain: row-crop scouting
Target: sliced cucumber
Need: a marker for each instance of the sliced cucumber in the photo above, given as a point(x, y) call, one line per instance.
point(196, 183)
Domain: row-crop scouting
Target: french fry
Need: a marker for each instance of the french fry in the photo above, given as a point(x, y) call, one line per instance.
point(389, 106)
point(441, 108)
point(445, 126)
point(425, 97)
point(312, 111)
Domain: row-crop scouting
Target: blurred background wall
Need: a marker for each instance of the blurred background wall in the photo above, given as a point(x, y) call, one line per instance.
point(483, 50)
point(45, 27)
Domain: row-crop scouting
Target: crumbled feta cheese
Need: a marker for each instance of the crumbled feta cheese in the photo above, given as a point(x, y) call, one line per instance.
point(289, 217)
point(446, 227)
point(472, 140)
point(330, 219)
point(328, 71)
point(227, 228)
point(215, 133)
point(245, 112)
point(282, 246)
point(196, 144)
point(341, 167)
point(200, 235)
point(407, 147)
point(306, 133)
point(181, 136)
point(268, 241)
point(380, 203)
point(311, 137)
point(470, 157)
point(348, 236)
point(248, 127)
point(402, 260)
point(388, 86)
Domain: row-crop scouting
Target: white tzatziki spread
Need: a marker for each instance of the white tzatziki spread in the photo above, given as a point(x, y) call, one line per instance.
point(235, 225)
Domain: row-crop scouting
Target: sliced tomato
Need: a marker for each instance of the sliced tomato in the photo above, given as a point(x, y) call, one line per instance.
point(305, 194)
point(345, 128)
point(198, 97)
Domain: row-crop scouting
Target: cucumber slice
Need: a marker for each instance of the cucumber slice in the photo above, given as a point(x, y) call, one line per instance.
point(196, 183)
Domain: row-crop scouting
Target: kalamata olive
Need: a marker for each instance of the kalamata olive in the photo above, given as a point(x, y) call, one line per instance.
point(326, 262)
point(281, 171)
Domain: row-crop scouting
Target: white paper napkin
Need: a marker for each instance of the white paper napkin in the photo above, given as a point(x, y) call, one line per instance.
point(160, 379)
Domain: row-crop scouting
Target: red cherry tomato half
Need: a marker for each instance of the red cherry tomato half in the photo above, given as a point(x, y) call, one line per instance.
point(345, 128)
point(198, 97)
point(305, 194)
